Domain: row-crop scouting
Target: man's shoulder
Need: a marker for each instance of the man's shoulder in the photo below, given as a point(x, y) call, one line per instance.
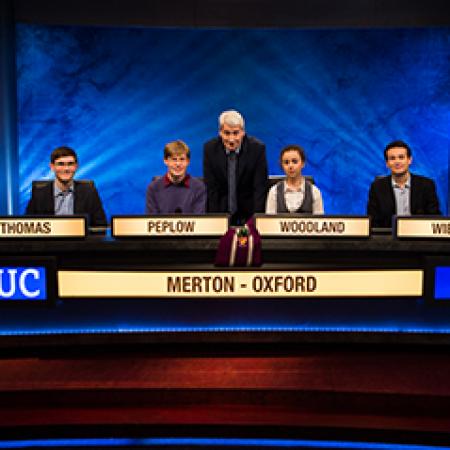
point(253, 144)
point(41, 187)
point(213, 142)
point(84, 185)
point(156, 183)
point(196, 183)
point(381, 180)
point(252, 140)
point(420, 179)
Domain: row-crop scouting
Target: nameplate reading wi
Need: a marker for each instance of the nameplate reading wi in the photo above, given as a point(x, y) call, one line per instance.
point(421, 228)
point(312, 226)
point(169, 226)
point(45, 227)
point(234, 284)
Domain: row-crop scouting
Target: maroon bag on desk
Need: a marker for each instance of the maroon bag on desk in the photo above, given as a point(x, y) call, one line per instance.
point(240, 247)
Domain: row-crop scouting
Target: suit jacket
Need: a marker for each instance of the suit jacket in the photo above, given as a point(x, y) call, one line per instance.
point(251, 177)
point(86, 201)
point(381, 205)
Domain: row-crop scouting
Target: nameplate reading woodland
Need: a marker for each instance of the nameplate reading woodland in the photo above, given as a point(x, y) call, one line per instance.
point(260, 284)
point(45, 227)
point(410, 227)
point(289, 225)
point(169, 226)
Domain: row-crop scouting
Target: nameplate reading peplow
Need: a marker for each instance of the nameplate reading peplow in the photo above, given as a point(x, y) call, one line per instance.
point(169, 226)
point(42, 227)
point(289, 225)
point(422, 227)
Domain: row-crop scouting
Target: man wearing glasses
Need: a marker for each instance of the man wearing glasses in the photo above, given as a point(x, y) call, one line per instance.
point(66, 196)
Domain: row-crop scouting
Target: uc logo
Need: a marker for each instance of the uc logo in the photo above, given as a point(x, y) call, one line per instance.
point(22, 283)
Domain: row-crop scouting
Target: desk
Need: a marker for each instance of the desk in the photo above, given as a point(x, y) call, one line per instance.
point(346, 368)
point(376, 319)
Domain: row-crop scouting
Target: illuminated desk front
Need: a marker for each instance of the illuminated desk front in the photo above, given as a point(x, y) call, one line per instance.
point(121, 287)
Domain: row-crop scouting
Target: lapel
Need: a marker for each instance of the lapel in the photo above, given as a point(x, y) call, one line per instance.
point(390, 197)
point(221, 161)
point(78, 198)
point(242, 160)
point(50, 197)
point(413, 197)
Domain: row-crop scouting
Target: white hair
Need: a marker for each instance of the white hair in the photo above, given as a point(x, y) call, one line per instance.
point(231, 118)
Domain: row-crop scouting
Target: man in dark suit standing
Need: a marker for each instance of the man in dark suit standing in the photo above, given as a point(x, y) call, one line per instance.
point(66, 196)
point(401, 193)
point(235, 170)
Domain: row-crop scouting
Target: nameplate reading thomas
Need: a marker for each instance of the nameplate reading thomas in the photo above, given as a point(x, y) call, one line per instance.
point(410, 227)
point(288, 225)
point(169, 226)
point(45, 227)
point(252, 284)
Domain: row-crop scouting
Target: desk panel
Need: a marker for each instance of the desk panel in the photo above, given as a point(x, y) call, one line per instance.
point(354, 315)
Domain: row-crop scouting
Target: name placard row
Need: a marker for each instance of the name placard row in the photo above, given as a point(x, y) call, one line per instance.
point(279, 226)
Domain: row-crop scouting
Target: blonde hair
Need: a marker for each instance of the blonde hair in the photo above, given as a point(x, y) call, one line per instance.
point(176, 148)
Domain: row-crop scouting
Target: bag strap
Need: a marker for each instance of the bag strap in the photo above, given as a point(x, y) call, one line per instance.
point(250, 250)
point(233, 250)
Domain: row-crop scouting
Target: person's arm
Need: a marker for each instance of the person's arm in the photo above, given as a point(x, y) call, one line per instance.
point(271, 202)
point(317, 206)
point(260, 180)
point(199, 201)
point(212, 187)
point(31, 206)
point(431, 200)
point(97, 214)
point(372, 206)
point(151, 203)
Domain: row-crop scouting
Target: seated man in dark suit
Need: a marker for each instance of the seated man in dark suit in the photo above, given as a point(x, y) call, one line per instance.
point(66, 196)
point(401, 193)
point(235, 170)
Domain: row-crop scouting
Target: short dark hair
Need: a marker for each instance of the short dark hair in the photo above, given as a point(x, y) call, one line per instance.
point(59, 152)
point(295, 148)
point(400, 144)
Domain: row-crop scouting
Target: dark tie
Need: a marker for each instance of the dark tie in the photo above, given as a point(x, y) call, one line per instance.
point(232, 201)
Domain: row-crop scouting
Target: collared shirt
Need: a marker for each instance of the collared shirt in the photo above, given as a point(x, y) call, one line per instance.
point(236, 152)
point(64, 200)
point(184, 182)
point(294, 198)
point(165, 197)
point(402, 197)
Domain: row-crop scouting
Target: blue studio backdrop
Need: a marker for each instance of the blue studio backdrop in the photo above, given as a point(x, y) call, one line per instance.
point(118, 95)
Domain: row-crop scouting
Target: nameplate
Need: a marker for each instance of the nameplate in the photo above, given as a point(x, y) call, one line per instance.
point(423, 227)
point(252, 284)
point(293, 225)
point(169, 226)
point(42, 227)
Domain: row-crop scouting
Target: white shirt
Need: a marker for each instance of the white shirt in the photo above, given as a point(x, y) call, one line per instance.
point(294, 198)
point(402, 197)
point(64, 200)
